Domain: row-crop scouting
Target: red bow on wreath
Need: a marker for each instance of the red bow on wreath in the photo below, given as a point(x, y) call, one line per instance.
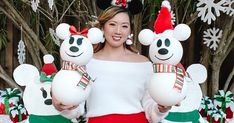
point(73, 31)
point(123, 2)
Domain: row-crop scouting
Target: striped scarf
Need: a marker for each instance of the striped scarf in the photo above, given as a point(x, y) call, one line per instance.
point(85, 78)
point(167, 68)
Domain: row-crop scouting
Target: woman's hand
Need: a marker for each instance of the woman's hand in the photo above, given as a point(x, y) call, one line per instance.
point(163, 109)
point(60, 107)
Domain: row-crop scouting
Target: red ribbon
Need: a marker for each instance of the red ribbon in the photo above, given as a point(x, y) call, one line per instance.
point(123, 2)
point(73, 31)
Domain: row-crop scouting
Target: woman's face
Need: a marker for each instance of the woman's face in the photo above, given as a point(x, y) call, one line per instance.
point(117, 29)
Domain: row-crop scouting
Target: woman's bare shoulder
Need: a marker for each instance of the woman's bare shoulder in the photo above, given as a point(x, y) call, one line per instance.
point(128, 56)
point(138, 58)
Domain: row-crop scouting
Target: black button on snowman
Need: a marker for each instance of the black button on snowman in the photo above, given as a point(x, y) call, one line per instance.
point(168, 85)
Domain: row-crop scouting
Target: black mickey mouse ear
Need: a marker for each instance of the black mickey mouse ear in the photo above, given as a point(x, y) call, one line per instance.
point(103, 4)
point(135, 6)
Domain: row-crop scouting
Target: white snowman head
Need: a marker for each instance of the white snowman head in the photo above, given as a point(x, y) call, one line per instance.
point(37, 93)
point(165, 46)
point(77, 46)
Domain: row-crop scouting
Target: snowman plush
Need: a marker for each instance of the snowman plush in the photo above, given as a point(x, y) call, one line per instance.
point(169, 83)
point(72, 84)
point(187, 111)
point(37, 93)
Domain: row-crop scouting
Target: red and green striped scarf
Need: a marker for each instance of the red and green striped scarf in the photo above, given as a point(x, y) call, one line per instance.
point(85, 78)
point(167, 68)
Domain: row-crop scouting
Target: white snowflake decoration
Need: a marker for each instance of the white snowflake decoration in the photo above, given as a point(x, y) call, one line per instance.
point(51, 3)
point(21, 52)
point(212, 37)
point(173, 18)
point(205, 10)
point(229, 4)
point(35, 4)
point(54, 37)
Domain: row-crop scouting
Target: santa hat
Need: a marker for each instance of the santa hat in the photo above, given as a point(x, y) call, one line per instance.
point(48, 67)
point(163, 21)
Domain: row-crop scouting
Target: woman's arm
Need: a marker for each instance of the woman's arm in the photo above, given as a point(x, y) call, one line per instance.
point(154, 112)
point(68, 111)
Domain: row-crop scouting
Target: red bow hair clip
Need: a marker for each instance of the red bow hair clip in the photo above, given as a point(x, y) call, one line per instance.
point(123, 2)
point(73, 31)
point(134, 6)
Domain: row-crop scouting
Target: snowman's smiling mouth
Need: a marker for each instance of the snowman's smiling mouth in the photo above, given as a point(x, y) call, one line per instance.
point(74, 55)
point(165, 58)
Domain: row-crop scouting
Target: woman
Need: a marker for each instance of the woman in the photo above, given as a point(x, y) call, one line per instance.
point(119, 92)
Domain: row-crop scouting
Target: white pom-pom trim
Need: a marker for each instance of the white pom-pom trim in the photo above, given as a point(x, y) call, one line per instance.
point(182, 32)
point(48, 58)
point(62, 31)
point(146, 37)
point(129, 42)
point(95, 35)
point(166, 4)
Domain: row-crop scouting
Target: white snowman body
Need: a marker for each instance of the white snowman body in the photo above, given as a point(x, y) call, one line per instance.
point(32, 93)
point(65, 86)
point(161, 87)
point(191, 103)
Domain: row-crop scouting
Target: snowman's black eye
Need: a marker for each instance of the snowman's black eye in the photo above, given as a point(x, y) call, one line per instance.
point(79, 41)
point(71, 40)
point(167, 42)
point(44, 93)
point(159, 43)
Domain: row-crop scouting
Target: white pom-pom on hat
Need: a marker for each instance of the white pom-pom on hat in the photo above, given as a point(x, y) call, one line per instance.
point(182, 32)
point(48, 67)
point(48, 58)
point(95, 35)
point(62, 30)
point(166, 4)
point(146, 37)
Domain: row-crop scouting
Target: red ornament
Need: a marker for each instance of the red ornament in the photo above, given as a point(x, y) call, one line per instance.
point(19, 117)
point(229, 113)
point(213, 120)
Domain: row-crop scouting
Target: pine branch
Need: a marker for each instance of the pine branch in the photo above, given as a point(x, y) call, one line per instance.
point(232, 87)
point(18, 20)
point(43, 11)
point(186, 9)
point(8, 79)
point(229, 80)
point(227, 29)
point(66, 11)
point(193, 17)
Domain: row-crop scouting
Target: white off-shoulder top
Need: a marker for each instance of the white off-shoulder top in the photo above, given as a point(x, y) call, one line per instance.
point(120, 88)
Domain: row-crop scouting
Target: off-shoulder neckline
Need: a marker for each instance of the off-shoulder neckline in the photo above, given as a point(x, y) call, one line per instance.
point(114, 61)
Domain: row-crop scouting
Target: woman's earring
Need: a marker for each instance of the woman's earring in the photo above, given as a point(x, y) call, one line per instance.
point(129, 39)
